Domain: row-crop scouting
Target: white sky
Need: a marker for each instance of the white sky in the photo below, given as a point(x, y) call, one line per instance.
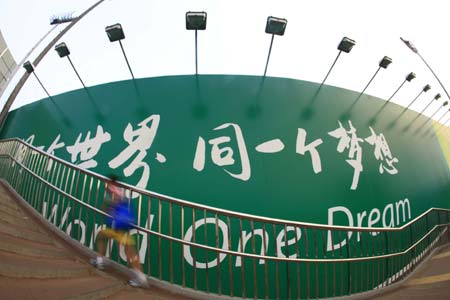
point(234, 42)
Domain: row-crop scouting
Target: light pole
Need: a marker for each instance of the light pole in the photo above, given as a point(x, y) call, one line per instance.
point(408, 78)
point(384, 63)
point(438, 121)
point(274, 26)
point(30, 69)
point(425, 89)
point(63, 51)
point(443, 123)
point(431, 117)
point(346, 46)
point(196, 21)
point(414, 49)
point(436, 97)
point(115, 34)
point(443, 115)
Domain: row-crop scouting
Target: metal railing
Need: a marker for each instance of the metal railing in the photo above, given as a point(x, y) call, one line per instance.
point(220, 251)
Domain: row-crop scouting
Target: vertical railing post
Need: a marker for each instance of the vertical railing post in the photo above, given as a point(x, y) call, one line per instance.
point(349, 273)
point(386, 238)
point(448, 226)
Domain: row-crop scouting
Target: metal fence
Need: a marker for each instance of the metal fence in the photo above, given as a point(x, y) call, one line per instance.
point(219, 251)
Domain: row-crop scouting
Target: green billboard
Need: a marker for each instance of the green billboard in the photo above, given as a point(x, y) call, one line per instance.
point(273, 147)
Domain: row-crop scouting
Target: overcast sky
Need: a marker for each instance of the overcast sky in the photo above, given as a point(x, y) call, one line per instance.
point(157, 43)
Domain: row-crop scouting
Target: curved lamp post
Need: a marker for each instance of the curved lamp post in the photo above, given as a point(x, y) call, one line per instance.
point(22, 80)
point(414, 49)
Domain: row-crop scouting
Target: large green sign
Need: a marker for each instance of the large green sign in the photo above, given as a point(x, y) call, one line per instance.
point(274, 147)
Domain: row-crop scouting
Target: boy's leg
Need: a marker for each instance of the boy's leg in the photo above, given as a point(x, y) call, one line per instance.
point(101, 243)
point(102, 236)
point(139, 279)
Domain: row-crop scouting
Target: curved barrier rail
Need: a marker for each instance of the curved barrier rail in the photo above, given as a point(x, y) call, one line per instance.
point(220, 251)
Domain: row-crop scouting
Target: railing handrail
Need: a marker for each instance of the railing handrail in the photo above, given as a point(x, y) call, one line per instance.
point(231, 252)
point(226, 212)
point(43, 180)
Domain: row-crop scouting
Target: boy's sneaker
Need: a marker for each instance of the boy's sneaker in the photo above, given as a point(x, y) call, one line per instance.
point(98, 262)
point(139, 279)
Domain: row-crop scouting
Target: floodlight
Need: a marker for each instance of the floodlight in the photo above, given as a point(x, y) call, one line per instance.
point(346, 45)
point(28, 66)
point(385, 62)
point(276, 25)
point(30, 69)
point(426, 88)
point(62, 49)
point(410, 76)
point(115, 32)
point(196, 20)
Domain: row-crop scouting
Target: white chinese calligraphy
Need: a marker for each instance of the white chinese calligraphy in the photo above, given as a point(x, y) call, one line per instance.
point(301, 149)
point(382, 152)
point(272, 146)
point(139, 141)
point(224, 156)
point(354, 149)
point(228, 151)
point(88, 148)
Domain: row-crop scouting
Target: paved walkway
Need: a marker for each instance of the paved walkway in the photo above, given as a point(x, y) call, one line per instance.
point(430, 282)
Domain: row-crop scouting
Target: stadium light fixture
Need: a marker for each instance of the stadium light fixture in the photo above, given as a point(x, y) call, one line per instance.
point(28, 66)
point(425, 89)
point(196, 21)
point(435, 98)
point(408, 78)
point(431, 117)
point(346, 46)
point(63, 51)
point(384, 63)
point(115, 34)
point(274, 26)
